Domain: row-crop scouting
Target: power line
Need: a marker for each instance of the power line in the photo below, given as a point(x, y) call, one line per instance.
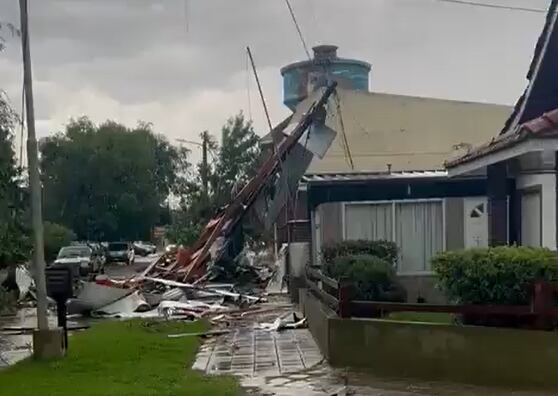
point(498, 6)
point(259, 87)
point(298, 29)
point(346, 147)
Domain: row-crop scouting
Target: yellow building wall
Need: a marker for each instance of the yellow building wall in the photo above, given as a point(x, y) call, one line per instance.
point(410, 133)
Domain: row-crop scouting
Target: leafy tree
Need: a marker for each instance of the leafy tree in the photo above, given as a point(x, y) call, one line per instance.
point(56, 237)
point(110, 182)
point(14, 243)
point(235, 162)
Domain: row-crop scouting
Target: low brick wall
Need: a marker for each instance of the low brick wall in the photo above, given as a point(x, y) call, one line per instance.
point(318, 316)
point(467, 354)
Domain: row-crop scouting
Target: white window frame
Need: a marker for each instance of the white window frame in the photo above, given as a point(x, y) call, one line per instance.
point(393, 236)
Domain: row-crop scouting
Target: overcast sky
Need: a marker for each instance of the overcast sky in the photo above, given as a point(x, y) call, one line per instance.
point(181, 64)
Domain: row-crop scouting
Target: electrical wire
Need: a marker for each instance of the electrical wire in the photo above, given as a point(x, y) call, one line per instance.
point(301, 37)
point(498, 6)
point(346, 147)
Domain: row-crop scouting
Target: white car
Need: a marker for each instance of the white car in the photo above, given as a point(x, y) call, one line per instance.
point(79, 258)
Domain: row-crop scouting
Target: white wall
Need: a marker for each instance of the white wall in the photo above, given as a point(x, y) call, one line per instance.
point(547, 184)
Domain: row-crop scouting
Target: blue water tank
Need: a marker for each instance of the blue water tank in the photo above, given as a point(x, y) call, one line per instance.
point(302, 78)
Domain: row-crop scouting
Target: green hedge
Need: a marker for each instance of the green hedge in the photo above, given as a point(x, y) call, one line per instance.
point(385, 250)
point(499, 275)
point(373, 278)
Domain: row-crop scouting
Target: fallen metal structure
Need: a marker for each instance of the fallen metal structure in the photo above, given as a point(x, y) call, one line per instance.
point(292, 154)
point(177, 284)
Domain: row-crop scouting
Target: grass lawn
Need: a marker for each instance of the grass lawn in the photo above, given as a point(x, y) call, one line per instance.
point(424, 317)
point(133, 358)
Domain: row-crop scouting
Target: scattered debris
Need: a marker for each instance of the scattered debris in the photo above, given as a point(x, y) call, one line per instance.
point(24, 281)
point(126, 305)
point(94, 296)
point(220, 242)
point(203, 334)
point(282, 324)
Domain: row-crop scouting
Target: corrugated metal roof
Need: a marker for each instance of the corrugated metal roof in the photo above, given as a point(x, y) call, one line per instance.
point(372, 176)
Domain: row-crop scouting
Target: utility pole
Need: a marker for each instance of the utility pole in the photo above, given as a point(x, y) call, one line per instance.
point(34, 180)
point(205, 170)
point(275, 231)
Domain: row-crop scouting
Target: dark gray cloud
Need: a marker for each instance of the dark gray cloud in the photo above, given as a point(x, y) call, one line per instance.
point(181, 63)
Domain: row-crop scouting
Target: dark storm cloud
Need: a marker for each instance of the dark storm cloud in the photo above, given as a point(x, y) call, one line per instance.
point(181, 64)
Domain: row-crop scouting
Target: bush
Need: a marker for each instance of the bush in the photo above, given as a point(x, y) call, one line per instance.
point(56, 237)
point(373, 277)
point(499, 275)
point(385, 250)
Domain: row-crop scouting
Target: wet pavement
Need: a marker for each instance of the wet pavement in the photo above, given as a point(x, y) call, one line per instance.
point(259, 353)
point(289, 363)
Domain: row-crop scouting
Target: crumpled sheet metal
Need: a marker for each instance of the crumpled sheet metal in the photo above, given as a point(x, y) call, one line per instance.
point(126, 305)
point(215, 291)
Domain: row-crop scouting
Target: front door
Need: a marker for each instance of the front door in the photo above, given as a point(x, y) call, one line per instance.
point(475, 222)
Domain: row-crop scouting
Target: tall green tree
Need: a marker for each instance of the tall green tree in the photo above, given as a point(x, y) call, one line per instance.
point(232, 163)
point(14, 241)
point(237, 159)
point(108, 181)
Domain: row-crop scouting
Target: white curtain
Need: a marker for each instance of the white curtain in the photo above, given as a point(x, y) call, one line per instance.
point(370, 222)
point(418, 234)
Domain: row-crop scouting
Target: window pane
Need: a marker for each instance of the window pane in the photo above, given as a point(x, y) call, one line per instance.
point(418, 234)
point(371, 222)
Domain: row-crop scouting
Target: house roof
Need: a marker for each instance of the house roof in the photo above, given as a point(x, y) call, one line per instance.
point(545, 126)
point(372, 176)
point(402, 132)
point(535, 114)
point(541, 94)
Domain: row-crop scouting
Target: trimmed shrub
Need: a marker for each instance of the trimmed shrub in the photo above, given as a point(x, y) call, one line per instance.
point(385, 250)
point(499, 275)
point(373, 277)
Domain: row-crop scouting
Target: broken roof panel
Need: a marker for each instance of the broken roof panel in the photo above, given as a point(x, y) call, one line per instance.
point(372, 176)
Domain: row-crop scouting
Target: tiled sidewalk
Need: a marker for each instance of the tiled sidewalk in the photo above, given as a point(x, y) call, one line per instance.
point(259, 353)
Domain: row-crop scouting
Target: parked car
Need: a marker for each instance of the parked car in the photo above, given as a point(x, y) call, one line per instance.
point(80, 259)
point(120, 252)
point(144, 248)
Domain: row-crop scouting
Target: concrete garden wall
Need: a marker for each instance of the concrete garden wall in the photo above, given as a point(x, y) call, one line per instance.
point(467, 354)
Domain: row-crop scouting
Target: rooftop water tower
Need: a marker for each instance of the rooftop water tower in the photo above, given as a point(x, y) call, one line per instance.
point(302, 78)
